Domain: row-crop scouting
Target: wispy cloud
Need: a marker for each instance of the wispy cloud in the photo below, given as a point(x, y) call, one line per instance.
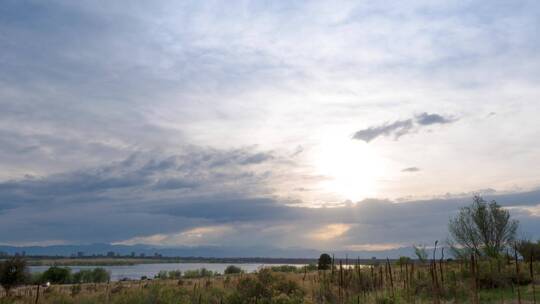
point(206, 235)
point(411, 169)
point(395, 129)
point(401, 127)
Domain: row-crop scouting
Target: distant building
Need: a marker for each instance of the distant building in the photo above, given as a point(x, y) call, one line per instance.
point(111, 254)
point(142, 255)
point(157, 255)
point(3, 254)
point(80, 254)
point(132, 254)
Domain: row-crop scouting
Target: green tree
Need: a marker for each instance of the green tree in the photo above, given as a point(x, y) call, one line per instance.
point(421, 252)
point(100, 275)
point(83, 276)
point(13, 272)
point(325, 261)
point(96, 275)
point(529, 250)
point(403, 260)
point(482, 228)
point(231, 269)
point(57, 275)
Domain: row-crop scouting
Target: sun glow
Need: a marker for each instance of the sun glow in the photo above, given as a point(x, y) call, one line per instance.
point(352, 169)
point(330, 232)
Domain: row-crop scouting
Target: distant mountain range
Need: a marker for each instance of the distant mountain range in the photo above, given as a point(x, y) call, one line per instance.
point(199, 251)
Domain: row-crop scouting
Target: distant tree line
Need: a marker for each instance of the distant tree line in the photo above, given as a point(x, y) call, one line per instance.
point(14, 272)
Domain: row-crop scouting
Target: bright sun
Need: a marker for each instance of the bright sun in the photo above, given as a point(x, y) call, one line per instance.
point(352, 168)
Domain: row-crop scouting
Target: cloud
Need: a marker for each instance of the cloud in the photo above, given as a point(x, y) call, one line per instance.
point(206, 235)
point(133, 115)
point(395, 129)
point(411, 169)
point(426, 119)
point(143, 187)
point(401, 127)
point(192, 199)
point(375, 247)
point(330, 232)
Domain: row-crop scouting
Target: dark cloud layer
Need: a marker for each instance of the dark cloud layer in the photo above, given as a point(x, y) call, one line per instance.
point(401, 127)
point(156, 194)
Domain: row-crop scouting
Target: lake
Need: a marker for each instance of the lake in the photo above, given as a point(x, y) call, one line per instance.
point(135, 272)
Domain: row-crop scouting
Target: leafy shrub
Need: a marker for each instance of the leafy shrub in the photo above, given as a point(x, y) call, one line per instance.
point(231, 269)
point(199, 273)
point(100, 275)
point(174, 274)
point(284, 268)
point(96, 275)
point(529, 250)
point(308, 268)
point(288, 287)
point(403, 260)
point(57, 275)
point(161, 275)
point(13, 272)
point(266, 286)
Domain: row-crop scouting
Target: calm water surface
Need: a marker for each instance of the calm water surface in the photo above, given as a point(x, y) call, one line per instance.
point(135, 272)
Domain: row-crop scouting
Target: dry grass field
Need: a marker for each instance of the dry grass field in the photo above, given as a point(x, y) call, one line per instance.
point(437, 282)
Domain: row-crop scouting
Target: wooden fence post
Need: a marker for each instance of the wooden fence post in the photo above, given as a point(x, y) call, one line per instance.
point(517, 274)
point(531, 269)
point(474, 280)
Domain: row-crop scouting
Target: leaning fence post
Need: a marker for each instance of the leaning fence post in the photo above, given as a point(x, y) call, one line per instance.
point(517, 274)
point(391, 278)
point(37, 294)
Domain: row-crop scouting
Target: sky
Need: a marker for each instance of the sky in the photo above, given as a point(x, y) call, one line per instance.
point(332, 125)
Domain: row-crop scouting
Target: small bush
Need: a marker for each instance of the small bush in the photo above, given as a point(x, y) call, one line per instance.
point(199, 273)
point(13, 272)
point(174, 274)
point(96, 275)
point(231, 269)
point(284, 268)
point(57, 275)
